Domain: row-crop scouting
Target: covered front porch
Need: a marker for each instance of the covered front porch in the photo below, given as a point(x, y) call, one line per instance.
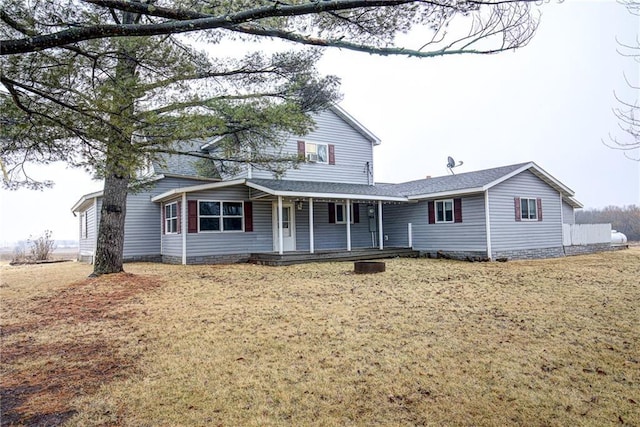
point(324, 219)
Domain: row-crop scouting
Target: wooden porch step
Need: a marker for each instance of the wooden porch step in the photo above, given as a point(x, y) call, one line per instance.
point(290, 258)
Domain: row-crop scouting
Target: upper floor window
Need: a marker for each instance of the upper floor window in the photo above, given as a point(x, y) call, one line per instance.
point(316, 153)
point(220, 216)
point(171, 218)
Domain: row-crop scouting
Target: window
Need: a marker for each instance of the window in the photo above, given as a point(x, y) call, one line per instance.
point(528, 209)
point(83, 225)
point(444, 210)
point(341, 213)
point(316, 153)
point(220, 216)
point(171, 218)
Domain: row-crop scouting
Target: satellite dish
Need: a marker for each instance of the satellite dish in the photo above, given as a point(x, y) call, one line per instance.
point(452, 164)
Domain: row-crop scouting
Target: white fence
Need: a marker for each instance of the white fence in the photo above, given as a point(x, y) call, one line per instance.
point(585, 234)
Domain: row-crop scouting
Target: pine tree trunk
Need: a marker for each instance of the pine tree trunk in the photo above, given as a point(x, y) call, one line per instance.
point(110, 245)
point(120, 158)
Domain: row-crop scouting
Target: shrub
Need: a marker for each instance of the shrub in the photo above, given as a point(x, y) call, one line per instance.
point(19, 255)
point(42, 247)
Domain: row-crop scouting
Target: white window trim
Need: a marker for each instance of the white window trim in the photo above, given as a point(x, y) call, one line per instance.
point(316, 144)
point(84, 226)
point(435, 208)
point(344, 205)
point(167, 219)
point(535, 204)
point(221, 216)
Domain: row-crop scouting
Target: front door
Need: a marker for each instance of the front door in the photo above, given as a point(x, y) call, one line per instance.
point(288, 227)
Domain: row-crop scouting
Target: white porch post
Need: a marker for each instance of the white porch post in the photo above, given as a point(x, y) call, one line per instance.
point(280, 236)
point(487, 219)
point(311, 242)
point(184, 228)
point(410, 233)
point(380, 232)
point(348, 208)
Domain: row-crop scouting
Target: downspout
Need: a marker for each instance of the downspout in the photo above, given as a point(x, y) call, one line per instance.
point(487, 218)
point(183, 228)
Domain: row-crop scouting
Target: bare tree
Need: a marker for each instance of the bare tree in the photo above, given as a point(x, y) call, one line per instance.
point(628, 112)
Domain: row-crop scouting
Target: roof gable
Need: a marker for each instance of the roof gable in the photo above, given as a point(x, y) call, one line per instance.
point(184, 164)
point(351, 121)
point(477, 181)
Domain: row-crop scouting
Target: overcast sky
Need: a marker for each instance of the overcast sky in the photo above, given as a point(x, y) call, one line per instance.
point(549, 102)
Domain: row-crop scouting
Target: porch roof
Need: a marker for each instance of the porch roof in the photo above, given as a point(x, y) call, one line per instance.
point(325, 190)
point(476, 182)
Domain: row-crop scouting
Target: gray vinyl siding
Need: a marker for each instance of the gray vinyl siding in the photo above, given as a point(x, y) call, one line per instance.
point(507, 233)
point(468, 235)
point(568, 213)
point(143, 225)
point(352, 152)
point(395, 219)
point(87, 246)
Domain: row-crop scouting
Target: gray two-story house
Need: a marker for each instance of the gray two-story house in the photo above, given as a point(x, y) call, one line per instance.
point(330, 203)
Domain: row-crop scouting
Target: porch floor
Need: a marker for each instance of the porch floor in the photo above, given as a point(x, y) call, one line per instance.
point(299, 257)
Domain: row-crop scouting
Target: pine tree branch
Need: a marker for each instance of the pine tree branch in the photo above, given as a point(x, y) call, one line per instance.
point(182, 21)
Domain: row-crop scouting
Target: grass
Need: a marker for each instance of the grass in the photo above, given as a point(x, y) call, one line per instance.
point(428, 342)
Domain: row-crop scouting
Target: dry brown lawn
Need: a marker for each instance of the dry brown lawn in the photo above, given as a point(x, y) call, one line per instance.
point(428, 342)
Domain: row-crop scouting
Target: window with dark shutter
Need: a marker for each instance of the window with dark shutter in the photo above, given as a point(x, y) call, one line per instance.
point(332, 154)
point(528, 209)
point(457, 210)
point(432, 212)
point(356, 212)
point(248, 216)
point(301, 149)
point(332, 213)
point(444, 211)
point(192, 216)
point(539, 205)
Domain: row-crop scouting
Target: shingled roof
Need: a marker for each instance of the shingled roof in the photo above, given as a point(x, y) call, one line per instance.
point(450, 183)
point(323, 189)
point(444, 186)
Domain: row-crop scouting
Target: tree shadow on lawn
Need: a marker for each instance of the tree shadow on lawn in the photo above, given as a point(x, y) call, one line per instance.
point(40, 379)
